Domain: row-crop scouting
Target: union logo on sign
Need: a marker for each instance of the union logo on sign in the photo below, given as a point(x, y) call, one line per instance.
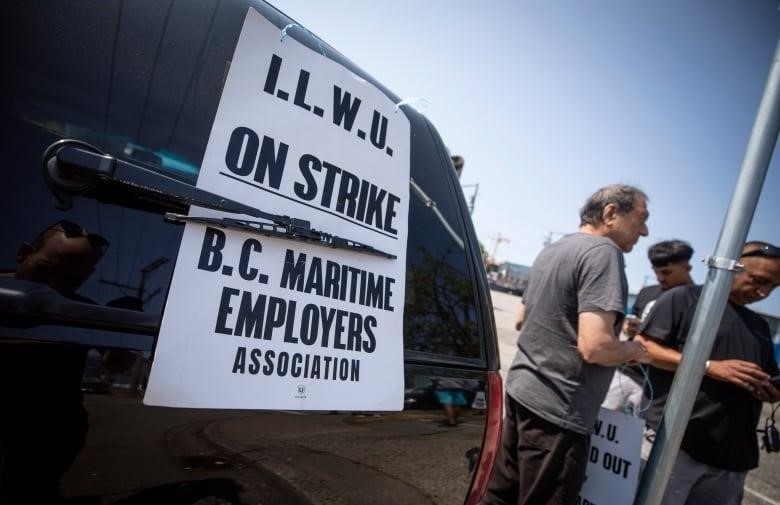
point(301, 389)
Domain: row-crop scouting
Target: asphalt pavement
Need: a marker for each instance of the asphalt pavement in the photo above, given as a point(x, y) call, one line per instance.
point(252, 451)
point(762, 483)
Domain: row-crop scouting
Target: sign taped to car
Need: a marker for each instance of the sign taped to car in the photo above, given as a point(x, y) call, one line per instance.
point(257, 321)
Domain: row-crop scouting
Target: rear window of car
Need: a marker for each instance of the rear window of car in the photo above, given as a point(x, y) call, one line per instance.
point(145, 86)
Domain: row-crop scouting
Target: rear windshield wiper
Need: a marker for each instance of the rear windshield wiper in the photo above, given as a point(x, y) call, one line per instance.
point(282, 227)
point(73, 167)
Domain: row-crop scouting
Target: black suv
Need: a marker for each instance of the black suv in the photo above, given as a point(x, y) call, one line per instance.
point(108, 106)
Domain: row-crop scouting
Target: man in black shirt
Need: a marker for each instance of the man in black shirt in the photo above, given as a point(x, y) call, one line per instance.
point(671, 261)
point(720, 444)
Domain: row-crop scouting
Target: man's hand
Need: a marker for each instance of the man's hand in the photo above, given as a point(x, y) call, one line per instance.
point(598, 344)
point(744, 374)
point(639, 353)
point(661, 356)
point(767, 393)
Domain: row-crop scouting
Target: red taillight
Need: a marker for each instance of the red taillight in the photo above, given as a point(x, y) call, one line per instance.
point(492, 440)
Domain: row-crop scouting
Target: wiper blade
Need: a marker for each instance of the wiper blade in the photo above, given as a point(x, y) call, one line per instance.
point(282, 227)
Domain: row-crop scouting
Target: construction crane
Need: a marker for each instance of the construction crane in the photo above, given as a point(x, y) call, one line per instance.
point(497, 240)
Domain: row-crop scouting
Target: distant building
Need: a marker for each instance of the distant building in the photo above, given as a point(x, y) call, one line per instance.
point(514, 272)
point(510, 277)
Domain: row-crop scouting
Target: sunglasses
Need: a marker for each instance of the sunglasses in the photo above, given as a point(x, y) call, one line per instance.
point(766, 250)
point(73, 230)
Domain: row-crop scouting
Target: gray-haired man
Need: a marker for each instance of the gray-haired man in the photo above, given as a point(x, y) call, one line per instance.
point(567, 351)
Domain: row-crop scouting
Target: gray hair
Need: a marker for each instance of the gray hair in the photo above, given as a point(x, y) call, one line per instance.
point(621, 195)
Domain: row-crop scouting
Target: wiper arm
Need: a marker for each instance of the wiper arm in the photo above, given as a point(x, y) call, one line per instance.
point(75, 167)
point(282, 227)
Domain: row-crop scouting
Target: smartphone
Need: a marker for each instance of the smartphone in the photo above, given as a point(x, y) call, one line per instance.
point(775, 381)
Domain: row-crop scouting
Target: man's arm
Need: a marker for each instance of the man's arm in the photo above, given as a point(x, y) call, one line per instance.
point(520, 316)
point(598, 344)
point(663, 357)
point(744, 374)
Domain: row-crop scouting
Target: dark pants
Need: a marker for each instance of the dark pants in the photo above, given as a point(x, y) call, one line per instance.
point(538, 463)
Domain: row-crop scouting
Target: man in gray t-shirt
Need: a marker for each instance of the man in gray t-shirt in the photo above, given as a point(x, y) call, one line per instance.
point(567, 351)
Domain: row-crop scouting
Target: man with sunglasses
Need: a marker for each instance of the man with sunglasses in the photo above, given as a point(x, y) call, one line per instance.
point(63, 257)
point(40, 381)
point(720, 445)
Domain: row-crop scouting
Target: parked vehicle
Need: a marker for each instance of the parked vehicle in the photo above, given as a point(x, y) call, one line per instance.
point(108, 107)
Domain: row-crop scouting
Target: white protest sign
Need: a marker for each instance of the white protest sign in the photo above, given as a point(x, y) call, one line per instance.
point(612, 474)
point(253, 321)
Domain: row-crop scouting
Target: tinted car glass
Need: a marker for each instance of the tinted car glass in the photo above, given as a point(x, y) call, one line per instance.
point(440, 313)
point(131, 92)
point(142, 82)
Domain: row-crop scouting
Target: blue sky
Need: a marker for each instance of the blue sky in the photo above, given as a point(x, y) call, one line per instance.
point(547, 100)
